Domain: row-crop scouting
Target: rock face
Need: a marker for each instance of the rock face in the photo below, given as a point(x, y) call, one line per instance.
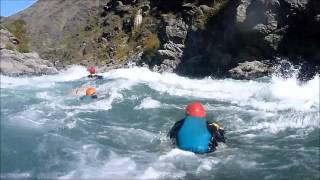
point(247, 30)
point(173, 33)
point(7, 40)
point(286, 27)
point(49, 24)
point(14, 63)
point(250, 70)
point(197, 38)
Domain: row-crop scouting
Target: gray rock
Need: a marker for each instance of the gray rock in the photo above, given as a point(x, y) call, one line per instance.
point(250, 70)
point(177, 48)
point(297, 4)
point(241, 11)
point(167, 54)
point(188, 6)
point(173, 33)
point(7, 39)
point(14, 63)
point(145, 9)
point(176, 31)
point(107, 35)
point(122, 9)
point(206, 9)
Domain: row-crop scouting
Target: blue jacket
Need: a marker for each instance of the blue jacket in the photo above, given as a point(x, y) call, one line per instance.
point(193, 135)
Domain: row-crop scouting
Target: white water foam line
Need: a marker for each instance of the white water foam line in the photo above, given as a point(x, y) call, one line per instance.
point(276, 95)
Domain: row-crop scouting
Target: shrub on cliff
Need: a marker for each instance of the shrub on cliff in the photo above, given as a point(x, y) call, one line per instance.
point(151, 43)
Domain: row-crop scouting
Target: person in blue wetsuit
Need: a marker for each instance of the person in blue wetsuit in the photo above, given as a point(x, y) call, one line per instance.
point(194, 133)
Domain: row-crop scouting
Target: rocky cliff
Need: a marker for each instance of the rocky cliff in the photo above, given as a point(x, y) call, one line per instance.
point(248, 30)
point(190, 37)
point(15, 63)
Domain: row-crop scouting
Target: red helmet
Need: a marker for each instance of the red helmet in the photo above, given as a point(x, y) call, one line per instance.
point(195, 109)
point(92, 70)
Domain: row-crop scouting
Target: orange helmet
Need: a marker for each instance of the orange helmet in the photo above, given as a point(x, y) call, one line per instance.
point(195, 109)
point(92, 70)
point(90, 91)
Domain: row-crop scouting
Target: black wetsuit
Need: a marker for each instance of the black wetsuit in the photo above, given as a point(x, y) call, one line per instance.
point(95, 76)
point(92, 97)
point(216, 133)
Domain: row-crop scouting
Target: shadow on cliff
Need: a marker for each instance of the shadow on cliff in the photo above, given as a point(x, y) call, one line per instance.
point(209, 50)
point(224, 42)
point(301, 42)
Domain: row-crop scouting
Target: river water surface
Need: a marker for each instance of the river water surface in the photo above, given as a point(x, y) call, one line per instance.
point(272, 125)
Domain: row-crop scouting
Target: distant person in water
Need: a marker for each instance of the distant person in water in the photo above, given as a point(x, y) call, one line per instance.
point(90, 94)
point(194, 133)
point(92, 71)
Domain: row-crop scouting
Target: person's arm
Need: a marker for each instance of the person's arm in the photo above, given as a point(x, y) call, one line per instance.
point(175, 129)
point(216, 132)
point(99, 77)
point(94, 96)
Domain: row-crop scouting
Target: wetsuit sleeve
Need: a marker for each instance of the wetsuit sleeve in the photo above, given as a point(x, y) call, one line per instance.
point(175, 129)
point(213, 141)
point(211, 128)
point(94, 96)
point(217, 133)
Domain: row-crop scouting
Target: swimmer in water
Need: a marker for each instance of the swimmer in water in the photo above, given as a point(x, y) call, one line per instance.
point(194, 133)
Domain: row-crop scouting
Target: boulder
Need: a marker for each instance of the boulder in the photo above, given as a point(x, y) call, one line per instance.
point(250, 70)
point(121, 9)
point(7, 40)
point(173, 33)
point(14, 63)
point(174, 30)
point(137, 20)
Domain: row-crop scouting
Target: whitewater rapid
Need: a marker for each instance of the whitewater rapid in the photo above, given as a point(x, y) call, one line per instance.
point(123, 133)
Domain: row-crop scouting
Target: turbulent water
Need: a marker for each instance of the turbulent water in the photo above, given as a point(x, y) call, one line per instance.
point(272, 125)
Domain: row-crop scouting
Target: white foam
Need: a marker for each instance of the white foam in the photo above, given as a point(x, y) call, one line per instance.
point(22, 175)
point(277, 94)
point(150, 173)
point(289, 121)
point(148, 103)
point(114, 168)
point(73, 73)
point(207, 164)
point(174, 153)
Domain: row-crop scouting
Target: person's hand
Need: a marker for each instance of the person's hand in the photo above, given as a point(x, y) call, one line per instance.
point(220, 135)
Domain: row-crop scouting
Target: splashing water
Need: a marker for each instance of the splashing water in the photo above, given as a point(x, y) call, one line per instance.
point(272, 127)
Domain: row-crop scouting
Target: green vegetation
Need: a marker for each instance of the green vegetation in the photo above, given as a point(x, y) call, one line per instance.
point(9, 47)
point(17, 28)
point(151, 43)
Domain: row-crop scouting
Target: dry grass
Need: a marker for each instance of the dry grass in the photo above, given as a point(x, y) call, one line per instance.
point(150, 44)
point(201, 21)
point(9, 47)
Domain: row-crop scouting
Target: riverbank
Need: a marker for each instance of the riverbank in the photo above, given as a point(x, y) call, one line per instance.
point(194, 39)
